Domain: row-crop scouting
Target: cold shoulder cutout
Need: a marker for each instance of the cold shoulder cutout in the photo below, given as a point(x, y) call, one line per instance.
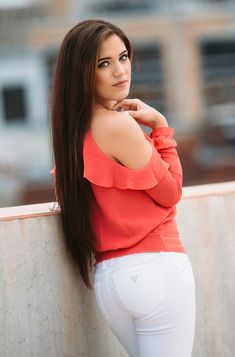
point(101, 170)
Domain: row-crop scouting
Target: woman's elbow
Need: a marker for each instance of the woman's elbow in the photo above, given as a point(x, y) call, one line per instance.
point(168, 195)
point(172, 198)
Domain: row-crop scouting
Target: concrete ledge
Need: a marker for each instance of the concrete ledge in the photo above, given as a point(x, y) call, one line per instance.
point(51, 208)
point(215, 189)
point(207, 227)
point(28, 211)
point(45, 309)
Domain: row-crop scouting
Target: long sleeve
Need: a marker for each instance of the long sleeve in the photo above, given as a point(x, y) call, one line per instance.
point(168, 191)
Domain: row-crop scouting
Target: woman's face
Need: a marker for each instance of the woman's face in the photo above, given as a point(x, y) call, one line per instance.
point(113, 72)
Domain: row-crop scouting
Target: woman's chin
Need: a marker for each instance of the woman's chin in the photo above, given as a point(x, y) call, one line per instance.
point(122, 97)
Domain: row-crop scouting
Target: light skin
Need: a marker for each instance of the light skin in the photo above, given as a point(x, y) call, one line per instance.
point(113, 67)
point(116, 119)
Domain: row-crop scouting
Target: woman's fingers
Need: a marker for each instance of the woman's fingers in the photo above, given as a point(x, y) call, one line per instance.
point(141, 117)
point(126, 104)
point(136, 114)
point(141, 112)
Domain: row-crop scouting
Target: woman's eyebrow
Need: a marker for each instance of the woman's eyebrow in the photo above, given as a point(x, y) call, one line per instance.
point(106, 58)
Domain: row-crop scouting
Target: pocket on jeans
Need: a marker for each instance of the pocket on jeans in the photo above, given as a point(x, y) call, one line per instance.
point(185, 268)
point(140, 291)
point(99, 301)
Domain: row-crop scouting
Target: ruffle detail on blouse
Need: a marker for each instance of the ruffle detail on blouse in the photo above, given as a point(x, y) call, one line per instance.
point(100, 170)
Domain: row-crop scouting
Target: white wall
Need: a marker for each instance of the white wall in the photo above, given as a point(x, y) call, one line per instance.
point(25, 154)
point(45, 310)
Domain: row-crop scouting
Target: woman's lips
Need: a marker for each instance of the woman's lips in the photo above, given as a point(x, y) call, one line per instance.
point(121, 84)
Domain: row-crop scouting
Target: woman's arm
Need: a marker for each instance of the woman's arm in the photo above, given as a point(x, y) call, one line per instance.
point(168, 191)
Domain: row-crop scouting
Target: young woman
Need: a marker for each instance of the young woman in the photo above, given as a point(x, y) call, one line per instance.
point(117, 188)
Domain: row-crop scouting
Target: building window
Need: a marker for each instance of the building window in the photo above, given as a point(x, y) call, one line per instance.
point(120, 5)
point(147, 76)
point(14, 104)
point(218, 61)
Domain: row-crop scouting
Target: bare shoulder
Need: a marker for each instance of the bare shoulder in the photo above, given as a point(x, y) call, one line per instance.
point(113, 124)
point(121, 138)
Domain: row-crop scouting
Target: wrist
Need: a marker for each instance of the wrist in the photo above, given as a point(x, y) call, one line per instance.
point(162, 131)
point(159, 123)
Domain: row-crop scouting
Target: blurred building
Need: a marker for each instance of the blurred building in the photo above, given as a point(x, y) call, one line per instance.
point(184, 65)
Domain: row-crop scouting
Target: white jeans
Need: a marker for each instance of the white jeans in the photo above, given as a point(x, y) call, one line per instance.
point(148, 300)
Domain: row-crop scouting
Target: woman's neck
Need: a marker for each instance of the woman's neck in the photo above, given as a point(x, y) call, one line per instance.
point(108, 105)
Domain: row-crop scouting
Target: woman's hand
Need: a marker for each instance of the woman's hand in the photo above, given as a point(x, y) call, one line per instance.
point(142, 113)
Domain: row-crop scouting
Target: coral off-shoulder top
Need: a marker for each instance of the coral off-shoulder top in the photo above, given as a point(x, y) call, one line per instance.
point(134, 210)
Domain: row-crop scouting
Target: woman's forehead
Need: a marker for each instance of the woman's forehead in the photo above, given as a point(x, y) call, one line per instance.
point(111, 45)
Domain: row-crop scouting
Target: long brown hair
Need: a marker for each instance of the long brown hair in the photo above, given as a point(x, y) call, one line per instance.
point(72, 102)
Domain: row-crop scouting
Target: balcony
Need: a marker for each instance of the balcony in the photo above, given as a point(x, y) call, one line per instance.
point(45, 310)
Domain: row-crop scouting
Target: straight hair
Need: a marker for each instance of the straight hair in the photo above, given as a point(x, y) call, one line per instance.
point(72, 102)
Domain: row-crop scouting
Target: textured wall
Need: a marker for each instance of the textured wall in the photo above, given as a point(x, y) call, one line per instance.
point(206, 221)
point(45, 311)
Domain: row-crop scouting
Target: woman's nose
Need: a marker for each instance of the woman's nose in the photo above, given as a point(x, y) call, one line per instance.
point(118, 69)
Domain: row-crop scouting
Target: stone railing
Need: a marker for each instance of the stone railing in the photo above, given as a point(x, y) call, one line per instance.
point(45, 309)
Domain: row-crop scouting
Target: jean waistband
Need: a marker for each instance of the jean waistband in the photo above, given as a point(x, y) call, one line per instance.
point(124, 260)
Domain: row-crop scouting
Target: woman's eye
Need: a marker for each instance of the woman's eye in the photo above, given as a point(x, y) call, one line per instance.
point(124, 57)
point(103, 64)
